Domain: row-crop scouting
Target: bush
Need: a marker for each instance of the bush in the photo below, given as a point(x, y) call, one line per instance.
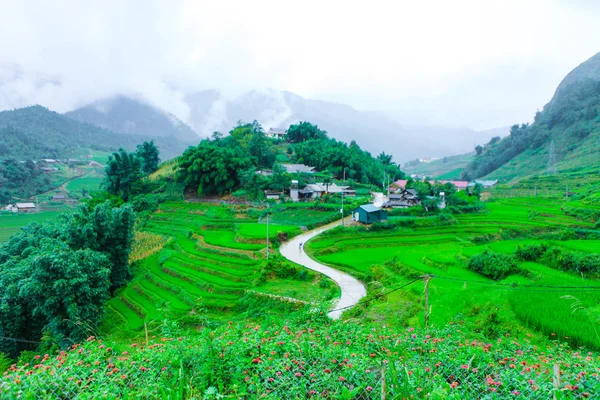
point(493, 265)
point(532, 252)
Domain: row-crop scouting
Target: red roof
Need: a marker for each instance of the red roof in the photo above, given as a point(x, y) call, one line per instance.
point(401, 183)
point(458, 184)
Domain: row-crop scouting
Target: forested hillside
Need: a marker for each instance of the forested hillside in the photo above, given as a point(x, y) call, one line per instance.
point(222, 165)
point(126, 115)
point(564, 138)
point(36, 132)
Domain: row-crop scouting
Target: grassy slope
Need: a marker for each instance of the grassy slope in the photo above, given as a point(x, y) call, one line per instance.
point(446, 168)
point(443, 251)
point(571, 159)
point(213, 255)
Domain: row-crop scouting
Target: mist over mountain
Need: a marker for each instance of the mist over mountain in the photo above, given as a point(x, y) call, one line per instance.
point(210, 111)
point(128, 115)
point(199, 113)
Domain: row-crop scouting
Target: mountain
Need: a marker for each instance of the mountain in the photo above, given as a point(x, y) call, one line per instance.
point(128, 115)
point(564, 138)
point(36, 132)
point(376, 132)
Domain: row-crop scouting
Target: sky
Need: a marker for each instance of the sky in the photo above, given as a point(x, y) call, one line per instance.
point(479, 64)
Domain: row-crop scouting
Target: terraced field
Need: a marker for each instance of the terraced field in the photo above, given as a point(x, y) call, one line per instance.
point(208, 257)
point(459, 292)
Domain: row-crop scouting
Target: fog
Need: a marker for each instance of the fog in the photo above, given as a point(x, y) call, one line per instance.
point(480, 64)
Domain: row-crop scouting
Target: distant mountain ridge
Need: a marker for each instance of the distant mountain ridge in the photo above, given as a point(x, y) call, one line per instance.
point(127, 115)
point(564, 138)
point(376, 132)
point(36, 132)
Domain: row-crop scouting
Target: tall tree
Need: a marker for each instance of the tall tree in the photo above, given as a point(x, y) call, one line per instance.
point(149, 156)
point(304, 131)
point(122, 173)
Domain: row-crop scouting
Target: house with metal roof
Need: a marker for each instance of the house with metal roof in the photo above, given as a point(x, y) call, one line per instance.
point(368, 214)
point(486, 184)
point(25, 207)
point(298, 168)
point(276, 133)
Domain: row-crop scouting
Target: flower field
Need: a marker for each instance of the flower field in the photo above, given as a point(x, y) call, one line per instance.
point(191, 256)
point(311, 358)
point(390, 258)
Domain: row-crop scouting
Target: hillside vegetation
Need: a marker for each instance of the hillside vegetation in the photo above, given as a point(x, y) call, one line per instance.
point(36, 132)
point(565, 135)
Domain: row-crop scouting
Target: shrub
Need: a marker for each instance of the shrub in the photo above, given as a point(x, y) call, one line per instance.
point(493, 265)
point(532, 252)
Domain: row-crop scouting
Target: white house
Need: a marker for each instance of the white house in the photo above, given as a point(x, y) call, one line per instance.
point(276, 133)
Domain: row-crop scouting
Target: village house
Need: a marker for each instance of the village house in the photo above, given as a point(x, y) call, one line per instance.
point(298, 168)
point(404, 198)
point(368, 214)
point(49, 160)
point(48, 169)
point(22, 207)
point(276, 133)
point(273, 194)
point(486, 184)
point(59, 197)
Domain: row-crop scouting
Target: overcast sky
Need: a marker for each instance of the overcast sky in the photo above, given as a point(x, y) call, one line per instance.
point(479, 63)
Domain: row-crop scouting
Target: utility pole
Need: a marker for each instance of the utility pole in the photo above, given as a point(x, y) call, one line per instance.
point(567, 191)
point(342, 210)
point(427, 278)
point(267, 230)
point(536, 190)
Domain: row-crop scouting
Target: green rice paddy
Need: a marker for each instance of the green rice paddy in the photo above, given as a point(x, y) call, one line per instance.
point(457, 292)
point(216, 254)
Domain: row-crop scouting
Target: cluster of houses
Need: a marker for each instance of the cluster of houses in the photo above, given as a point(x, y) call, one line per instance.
point(48, 165)
point(400, 197)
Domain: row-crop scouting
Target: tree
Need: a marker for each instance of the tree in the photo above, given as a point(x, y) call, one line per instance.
point(213, 167)
point(148, 154)
point(63, 286)
point(386, 159)
point(107, 230)
point(122, 174)
point(478, 149)
point(304, 131)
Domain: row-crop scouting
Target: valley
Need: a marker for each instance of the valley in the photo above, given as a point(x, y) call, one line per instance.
point(143, 257)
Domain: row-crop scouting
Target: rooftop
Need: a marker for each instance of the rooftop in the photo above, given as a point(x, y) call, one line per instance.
point(369, 208)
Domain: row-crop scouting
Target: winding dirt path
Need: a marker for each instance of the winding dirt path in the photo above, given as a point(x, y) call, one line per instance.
point(352, 289)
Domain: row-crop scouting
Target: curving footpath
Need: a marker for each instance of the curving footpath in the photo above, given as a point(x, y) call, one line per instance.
point(352, 289)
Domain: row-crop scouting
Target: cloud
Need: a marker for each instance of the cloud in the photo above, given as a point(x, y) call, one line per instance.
point(409, 58)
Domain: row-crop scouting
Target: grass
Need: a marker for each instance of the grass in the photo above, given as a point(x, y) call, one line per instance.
point(89, 182)
point(304, 355)
point(195, 255)
point(444, 251)
point(12, 223)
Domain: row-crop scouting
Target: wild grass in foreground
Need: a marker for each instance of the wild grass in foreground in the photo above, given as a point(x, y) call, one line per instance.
point(311, 357)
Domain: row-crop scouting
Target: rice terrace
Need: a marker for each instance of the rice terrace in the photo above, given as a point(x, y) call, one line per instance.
point(165, 239)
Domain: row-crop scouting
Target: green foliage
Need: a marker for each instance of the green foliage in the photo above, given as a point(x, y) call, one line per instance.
point(123, 173)
point(36, 132)
point(21, 180)
point(149, 156)
point(304, 355)
point(57, 276)
point(213, 167)
point(303, 132)
point(495, 266)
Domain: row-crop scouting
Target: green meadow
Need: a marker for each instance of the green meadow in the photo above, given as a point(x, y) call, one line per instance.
point(204, 256)
point(386, 259)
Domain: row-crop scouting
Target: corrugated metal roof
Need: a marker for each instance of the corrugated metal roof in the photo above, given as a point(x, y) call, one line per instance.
point(369, 208)
point(25, 205)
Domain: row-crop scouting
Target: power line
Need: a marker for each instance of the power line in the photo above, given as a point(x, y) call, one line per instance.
point(19, 340)
point(383, 294)
point(518, 286)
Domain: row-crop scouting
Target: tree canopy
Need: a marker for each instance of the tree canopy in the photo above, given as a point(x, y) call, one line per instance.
point(57, 276)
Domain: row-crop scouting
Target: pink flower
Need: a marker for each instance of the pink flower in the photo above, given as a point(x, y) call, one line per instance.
point(369, 388)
